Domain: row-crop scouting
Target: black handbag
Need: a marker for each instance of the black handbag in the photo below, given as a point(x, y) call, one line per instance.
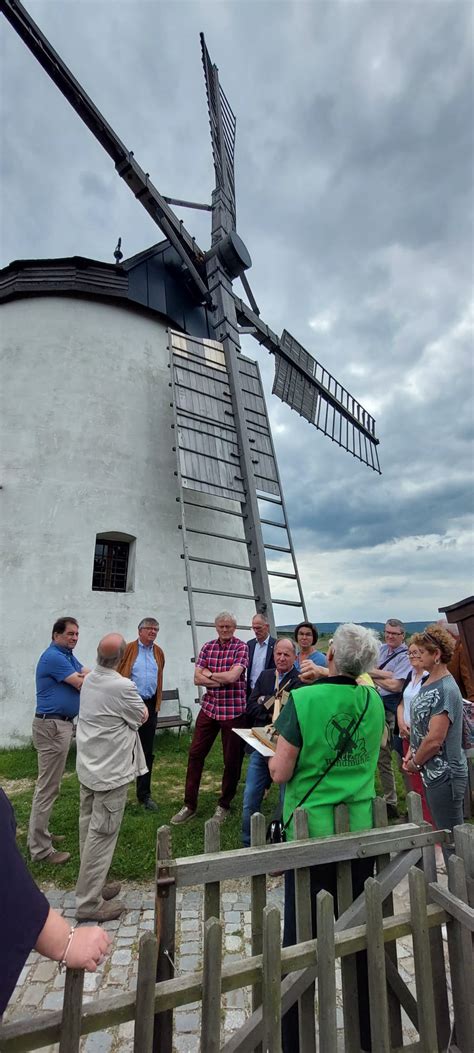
point(276, 830)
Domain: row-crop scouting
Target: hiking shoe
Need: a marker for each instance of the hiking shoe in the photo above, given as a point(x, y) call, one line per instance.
point(149, 805)
point(106, 912)
point(220, 814)
point(56, 857)
point(182, 816)
point(57, 839)
point(111, 890)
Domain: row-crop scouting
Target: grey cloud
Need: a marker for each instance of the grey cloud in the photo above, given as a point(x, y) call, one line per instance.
point(353, 170)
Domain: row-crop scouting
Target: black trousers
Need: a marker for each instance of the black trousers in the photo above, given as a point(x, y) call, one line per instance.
point(324, 877)
point(147, 739)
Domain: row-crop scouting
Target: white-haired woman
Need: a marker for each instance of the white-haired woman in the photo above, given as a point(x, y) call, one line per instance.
point(331, 732)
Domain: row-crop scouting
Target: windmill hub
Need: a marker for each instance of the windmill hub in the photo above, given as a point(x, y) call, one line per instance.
point(233, 254)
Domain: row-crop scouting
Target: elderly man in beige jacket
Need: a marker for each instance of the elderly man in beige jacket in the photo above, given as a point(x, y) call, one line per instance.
point(109, 757)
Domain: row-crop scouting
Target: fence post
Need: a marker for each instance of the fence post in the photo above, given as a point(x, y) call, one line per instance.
point(326, 973)
point(440, 989)
point(304, 931)
point(212, 890)
point(258, 901)
point(394, 1011)
point(271, 994)
point(211, 987)
point(376, 963)
point(348, 965)
point(422, 958)
point(72, 1011)
point(145, 997)
point(165, 928)
point(460, 961)
point(464, 847)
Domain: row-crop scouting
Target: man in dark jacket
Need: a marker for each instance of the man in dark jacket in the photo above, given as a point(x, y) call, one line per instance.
point(284, 676)
point(260, 651)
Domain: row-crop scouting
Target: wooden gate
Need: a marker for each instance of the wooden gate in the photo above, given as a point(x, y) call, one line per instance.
point(279, 977)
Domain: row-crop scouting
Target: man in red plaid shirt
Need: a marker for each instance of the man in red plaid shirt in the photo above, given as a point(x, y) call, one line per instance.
point(220, 668)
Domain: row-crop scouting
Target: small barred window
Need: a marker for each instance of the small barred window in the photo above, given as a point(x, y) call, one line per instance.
point(110, 565)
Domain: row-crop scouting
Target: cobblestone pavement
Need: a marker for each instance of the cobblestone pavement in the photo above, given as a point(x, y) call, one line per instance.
point(40, 985)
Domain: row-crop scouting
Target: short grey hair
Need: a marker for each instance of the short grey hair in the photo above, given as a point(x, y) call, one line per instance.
point(264, 617)
point(148, 621)
point(225, 616)
point(285, 639)
point(396, 624)
point(356, 649)
point(111, 661)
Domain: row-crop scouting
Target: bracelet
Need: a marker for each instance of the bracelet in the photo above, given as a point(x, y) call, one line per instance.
point(417, 766)
point(63, 963)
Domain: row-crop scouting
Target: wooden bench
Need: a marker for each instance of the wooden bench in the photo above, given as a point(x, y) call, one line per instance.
point(179, 716)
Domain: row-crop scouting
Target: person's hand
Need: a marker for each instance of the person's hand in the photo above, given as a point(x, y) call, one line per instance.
point(145, 715)
point(404, 730)
point(406, 761)
point(309, 672)
point(88, 949)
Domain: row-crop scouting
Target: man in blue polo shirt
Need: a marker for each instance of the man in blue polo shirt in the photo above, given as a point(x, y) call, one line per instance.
point(59, 678)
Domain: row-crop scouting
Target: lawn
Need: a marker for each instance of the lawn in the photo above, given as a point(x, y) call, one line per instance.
point(134, 858)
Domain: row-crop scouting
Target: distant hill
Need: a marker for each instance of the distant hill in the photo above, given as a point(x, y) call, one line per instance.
point(327, 628)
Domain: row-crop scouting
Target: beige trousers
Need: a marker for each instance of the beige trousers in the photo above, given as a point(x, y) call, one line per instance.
point(387, 777)
point(100, 818)
point(51, 739)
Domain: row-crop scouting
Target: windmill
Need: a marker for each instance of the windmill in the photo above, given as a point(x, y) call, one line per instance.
point(223, 444)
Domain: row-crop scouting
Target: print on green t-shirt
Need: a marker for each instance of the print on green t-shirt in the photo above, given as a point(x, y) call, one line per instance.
point(318, 719)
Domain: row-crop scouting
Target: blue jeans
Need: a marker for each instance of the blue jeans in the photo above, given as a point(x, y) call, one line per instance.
point(258, 780)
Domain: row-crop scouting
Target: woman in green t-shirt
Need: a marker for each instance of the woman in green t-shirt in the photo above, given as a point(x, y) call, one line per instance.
point(334, 727)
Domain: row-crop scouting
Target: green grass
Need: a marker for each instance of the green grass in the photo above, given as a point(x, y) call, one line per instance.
point(134, 858)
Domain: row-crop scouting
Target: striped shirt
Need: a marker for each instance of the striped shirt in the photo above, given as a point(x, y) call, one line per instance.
point(227, 701)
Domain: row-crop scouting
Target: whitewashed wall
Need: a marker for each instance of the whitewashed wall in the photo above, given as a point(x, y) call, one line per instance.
point(86, 444)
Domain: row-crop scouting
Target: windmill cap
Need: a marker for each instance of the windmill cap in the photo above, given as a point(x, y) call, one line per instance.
point(232, 253)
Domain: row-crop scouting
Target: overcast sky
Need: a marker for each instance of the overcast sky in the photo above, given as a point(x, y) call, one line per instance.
point(354, 197)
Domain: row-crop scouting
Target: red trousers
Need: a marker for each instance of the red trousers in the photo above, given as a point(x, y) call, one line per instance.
point(205, 733)
point(416, 783)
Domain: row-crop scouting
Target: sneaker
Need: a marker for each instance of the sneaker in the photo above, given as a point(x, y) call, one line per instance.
point(106, 912)
point(111, 890)
point(182, 816)
point(220, 814)
point(149, 805)
point(56, 857)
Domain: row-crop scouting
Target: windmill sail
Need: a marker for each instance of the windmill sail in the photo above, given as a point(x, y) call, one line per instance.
point(307, 387)
point(222, 123)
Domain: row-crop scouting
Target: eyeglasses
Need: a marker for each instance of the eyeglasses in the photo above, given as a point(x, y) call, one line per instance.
point(414, 654)
point(392, 632)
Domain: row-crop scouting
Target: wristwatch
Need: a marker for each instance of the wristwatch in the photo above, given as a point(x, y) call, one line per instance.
point(417, 766)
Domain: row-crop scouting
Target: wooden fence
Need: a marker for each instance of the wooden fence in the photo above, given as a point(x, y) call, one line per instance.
point(280, 977)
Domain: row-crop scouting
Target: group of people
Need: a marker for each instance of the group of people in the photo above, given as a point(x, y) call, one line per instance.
point(332, 734)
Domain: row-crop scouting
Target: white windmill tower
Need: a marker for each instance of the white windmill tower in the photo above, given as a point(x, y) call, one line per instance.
point(140, 474)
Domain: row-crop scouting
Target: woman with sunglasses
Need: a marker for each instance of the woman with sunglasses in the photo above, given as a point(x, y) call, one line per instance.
point(436, 732)
point(411, 689)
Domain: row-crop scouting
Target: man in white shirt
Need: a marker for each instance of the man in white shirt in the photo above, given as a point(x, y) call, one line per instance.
point(260, 651)
point(109, 757)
